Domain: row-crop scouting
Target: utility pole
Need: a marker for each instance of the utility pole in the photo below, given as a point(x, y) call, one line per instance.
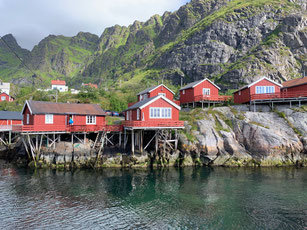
point(181, 82)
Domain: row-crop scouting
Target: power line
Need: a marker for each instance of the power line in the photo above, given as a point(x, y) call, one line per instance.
point(17, 55)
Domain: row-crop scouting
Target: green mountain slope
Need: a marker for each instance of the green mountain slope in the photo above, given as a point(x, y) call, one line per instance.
point(230, 41)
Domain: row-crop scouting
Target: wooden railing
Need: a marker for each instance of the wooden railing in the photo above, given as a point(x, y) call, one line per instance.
point(212, 98)
point(153, 123)
point(113, 128)
point(279, 95)
point(5, 127)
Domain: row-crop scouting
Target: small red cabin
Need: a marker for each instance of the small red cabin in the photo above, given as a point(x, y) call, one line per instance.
point(202, 90)
point(261, 89)
point(295, 88)
point(9, 118)
point(157, 111)
point(155, 91)
point(5, 97)
point(50, 116)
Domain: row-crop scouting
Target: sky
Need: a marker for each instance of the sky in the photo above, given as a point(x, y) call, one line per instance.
point(31, 20)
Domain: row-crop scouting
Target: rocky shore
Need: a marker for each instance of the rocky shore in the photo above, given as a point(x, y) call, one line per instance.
point(223, 136)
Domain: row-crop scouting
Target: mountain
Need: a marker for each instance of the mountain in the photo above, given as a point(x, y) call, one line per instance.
point(9, 63)
point(230, 41)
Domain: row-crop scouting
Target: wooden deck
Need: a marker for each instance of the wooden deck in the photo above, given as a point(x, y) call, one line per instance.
point(153, 124)
point(279, 96)
point(212, 98)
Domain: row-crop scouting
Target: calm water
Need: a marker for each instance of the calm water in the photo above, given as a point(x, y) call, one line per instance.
point(203, 198)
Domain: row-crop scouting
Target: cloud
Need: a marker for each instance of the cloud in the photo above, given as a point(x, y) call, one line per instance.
point(32, 20)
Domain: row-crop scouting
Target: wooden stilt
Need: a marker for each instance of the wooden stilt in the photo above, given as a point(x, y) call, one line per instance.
point(84, 141)
point(120, 139)
point(36, 142)
point(141, 141)
point(54, 141)
point(132, 142)
point(72, 138)
point(156, 144)
point(176, 138)
point(10, 137)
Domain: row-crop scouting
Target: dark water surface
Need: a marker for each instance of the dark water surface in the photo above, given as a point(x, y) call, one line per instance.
point(202, 198)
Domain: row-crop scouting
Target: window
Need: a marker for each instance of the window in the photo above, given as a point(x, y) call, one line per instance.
point(127, 115)
point(3, 98)
point(138, 114)
point(183, 91)
point(239, 93)
point(160, 112)
point(145, 96)
point(28, 119)
point(49, 119)
point(90, 120)
point(206, 91)
point(265, 89)
point(163, 94)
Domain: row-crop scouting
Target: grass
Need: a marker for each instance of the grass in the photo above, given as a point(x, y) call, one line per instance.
point(259, 124)
point(113, 120)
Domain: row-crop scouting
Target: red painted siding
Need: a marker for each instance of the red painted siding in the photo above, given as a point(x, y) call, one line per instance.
point(247, 92)
point(38, 121)
point(145, 116)
point(189, 95)
point(243, 98)
point(161, 89)
point(10, 122)
point(299, 88)
point(7, 97)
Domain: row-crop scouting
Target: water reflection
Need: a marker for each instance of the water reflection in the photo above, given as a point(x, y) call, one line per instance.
point(219, 198)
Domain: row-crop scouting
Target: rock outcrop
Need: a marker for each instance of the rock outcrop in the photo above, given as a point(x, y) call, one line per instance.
point(226, 136)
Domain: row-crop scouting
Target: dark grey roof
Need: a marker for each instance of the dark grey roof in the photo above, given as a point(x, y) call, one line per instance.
point(45, 107)
point(147, 90)
point(10, 115)
point(191, 84)
point(140, 103)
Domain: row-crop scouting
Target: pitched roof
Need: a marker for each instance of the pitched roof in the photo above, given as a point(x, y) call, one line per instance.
point(255, 82)
point(58, 82)
point(148, 90)
point(10, 115)
point(195, 83)
point(295, 82)
point(144, 103)
point(43, 107)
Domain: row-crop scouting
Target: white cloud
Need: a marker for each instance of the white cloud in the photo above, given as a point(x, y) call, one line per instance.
point(32, 20)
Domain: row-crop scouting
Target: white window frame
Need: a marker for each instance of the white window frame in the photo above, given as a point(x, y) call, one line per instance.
point(239, 93)
point(28, 119)
point(138, 114)
point(265, 89)
point(90, 119)
point(160, 113)
point(163, 94)
point(206, 91)
point(48, 118)
point(3, 98)
point(183, 91)
point(127, 115)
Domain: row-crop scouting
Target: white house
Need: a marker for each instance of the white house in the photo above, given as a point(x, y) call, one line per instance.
point(59, 85)
point(5, 87)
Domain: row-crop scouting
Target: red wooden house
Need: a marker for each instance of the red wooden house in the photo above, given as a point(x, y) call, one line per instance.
point(294, 88)
point(157, 111)
point(261, 89)
point(8, 119)
point(49, 116)
point(154, 91)
point(5, 97)
point(202, 90)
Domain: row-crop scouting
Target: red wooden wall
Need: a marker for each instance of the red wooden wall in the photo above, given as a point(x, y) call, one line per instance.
point(10, 122)
point(145, 112)
point(7, 97)
point(299, 88)
point(247, 92)
point(162, 89)
point(190, 93)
